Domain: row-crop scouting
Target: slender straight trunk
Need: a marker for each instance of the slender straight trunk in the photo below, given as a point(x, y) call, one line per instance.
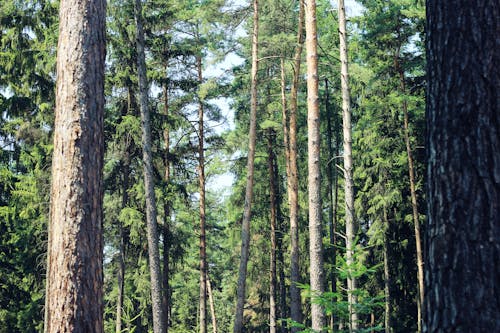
point(281, 225)
point(462, 238)
point(212, 306)
point(74, 293)
point(293, 183)
point(245, 225)
point(201, 178)
point(314, 161)
point(166, 214)
point(413, 193)
point(121, 253)
point(332, 193)
point(349, 184)
point(151, 214)
point(273, 202)
point(387, 276)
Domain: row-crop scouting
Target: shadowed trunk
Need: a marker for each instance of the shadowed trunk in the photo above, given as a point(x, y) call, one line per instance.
point(462, 237)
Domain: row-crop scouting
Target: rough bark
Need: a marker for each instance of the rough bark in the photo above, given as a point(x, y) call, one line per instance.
point(201, 180)
point(348, 168)
point(151, 213)
point(462, 238)
point(293, 182)
point(245, 226)
point(74, 300)
point(313, 163)
point(273, 203)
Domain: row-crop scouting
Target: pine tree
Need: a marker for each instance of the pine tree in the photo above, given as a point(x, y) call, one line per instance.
point(74, 299)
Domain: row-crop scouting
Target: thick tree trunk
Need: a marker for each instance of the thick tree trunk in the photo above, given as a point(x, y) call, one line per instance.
point(293, 182)
point(462, 239)
point(245, 226)
point(74, 300)
point(314, 161)
point(348, 180)
point(151, 214)
point(201, 179)
point(273, 203)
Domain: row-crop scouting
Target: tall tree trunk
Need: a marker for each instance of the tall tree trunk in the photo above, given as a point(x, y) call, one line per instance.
point(413, 192)
point(121, 253)
point(74, 299)
point(201, 178)
point(314, 179)
point(387, 276)
point(166, 213)
point(151, 215)
point(212, 305)
point(281, 225)
point(463, 167)
point(273, 203)
point(349, 184)
point(293, 182)
point(332, 193)
point(245, 225)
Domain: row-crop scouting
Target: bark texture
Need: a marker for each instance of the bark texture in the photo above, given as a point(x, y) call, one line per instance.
point(247, 211)
point(313, 163)
point(293, 178)
point(74, 299)
point(350, 224)
point(462, 239)
point(147, 156)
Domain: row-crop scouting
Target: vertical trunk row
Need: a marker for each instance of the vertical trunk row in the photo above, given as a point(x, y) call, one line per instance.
point(293, 182)
point(314, 181)
point(349, 184)
point(245, 226)
point(273, 201)
point(151, 223)
point(201, 178)
point(75, 249)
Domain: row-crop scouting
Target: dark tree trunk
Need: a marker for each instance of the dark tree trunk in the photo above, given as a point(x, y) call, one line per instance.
point(462, 238)
point(273, 203)
point(74, 299)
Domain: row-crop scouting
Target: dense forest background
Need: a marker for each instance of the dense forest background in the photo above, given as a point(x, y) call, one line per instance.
point(198, 56)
